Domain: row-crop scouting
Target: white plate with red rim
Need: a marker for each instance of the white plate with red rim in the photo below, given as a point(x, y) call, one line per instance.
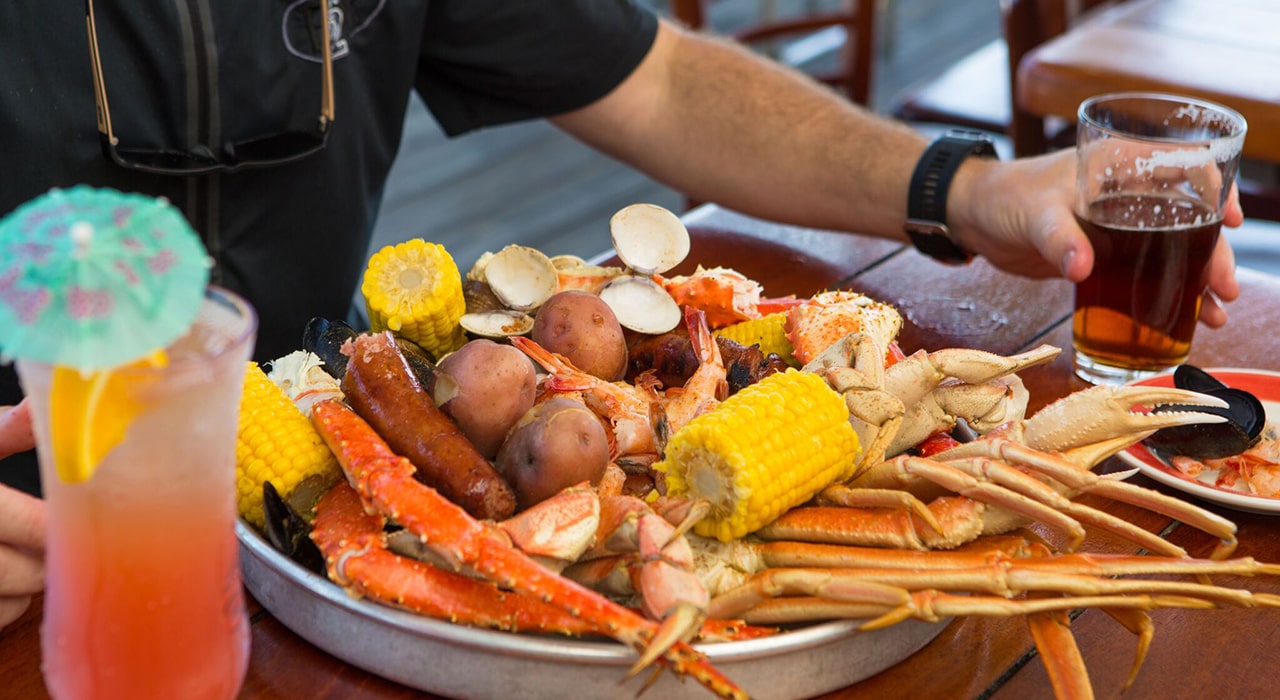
point(1265, 385)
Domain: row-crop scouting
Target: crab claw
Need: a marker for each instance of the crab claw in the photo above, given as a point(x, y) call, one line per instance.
point(1102, 420)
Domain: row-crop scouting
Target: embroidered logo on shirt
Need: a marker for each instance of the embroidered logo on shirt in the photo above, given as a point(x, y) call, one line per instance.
point(300, 27)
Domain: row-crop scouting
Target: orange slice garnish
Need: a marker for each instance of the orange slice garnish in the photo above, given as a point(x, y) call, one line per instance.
point(90, 414)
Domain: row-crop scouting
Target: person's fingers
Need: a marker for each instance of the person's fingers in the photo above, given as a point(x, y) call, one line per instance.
point(1063, 244)
point(1212, 314)
point(21, 572)
point(1221, 275)
point(15, 429)
point(1222, 285)
point(22, 520)
point(1232, 213)
point(12, 609)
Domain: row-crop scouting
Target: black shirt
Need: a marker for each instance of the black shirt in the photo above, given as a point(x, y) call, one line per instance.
point(292, 238)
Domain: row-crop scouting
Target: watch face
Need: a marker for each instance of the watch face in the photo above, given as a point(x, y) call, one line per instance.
point(935, 243)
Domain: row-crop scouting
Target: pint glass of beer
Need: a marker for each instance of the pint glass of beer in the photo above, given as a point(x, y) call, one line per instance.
point(1154, 173)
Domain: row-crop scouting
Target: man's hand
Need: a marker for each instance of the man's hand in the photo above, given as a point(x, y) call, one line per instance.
point(21, 524)
point(15, 429)
point(1029, 226)
point(21, 552)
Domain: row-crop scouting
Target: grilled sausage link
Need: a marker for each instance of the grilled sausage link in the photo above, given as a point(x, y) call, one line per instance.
point(382, 389)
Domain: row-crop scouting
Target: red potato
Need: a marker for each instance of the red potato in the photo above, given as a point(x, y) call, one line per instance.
point(494, 384)
point(554, 445)
point(582, 327)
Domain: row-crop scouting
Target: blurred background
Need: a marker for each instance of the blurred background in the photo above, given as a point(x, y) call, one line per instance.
point(529, 183)
point(932, 62)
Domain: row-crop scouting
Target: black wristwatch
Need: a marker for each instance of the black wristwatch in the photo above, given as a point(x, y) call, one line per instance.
point(926, 224)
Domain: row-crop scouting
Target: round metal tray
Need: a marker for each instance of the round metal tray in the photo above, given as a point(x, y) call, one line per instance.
point(465, 662)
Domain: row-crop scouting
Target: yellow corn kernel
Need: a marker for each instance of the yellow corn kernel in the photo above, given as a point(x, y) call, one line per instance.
point(767, 332)
point(275, 442)
point(765, 450)
point(414, 290)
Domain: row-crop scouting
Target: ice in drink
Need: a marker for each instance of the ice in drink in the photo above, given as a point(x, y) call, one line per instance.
point(1139, 307)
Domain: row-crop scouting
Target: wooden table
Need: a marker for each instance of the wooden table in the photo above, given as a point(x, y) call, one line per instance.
point(1214, 49)
point(1223, 652)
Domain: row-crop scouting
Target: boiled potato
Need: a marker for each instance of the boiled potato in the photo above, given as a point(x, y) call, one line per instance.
point(556, 444)
point(494, 385)
point(580, 326)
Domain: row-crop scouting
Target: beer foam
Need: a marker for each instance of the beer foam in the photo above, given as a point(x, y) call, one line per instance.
point(1185, 158)
point(1218, 149)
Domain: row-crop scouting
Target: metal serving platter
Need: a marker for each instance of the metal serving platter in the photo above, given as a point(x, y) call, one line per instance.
point(465, 662)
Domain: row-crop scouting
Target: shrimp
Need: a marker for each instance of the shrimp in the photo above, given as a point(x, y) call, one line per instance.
point(1255, 471)
point(704, 390)
point(628, 409)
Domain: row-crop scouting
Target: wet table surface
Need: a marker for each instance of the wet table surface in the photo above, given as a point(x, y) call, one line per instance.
point(1194, 653)
point(1214, 49)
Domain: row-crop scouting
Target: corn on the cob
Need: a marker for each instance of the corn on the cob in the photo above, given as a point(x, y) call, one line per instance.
point(414, 289)
point(275, 442)
point(767, 332)
point(765, 450)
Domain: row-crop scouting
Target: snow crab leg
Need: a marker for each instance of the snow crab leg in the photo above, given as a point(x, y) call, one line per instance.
point(637, 552)
point(995, 576)
point(356, 557)
point(385, 483)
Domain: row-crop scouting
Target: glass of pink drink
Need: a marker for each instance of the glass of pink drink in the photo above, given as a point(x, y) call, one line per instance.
point(143, 594)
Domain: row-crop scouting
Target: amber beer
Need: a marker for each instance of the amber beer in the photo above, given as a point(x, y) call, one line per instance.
point(1139, 307)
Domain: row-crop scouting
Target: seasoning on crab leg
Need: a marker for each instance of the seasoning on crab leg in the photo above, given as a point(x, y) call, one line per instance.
point(385, 482)
point(354, 546)
point(726, 296)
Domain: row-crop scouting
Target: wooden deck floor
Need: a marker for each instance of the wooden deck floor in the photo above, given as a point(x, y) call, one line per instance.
point(530, 183)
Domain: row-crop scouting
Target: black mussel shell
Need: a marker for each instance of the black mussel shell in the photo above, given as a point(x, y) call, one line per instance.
point(325, 338)
point(420, 361)
point(1245, 416)
point(289, 532)
point(1193, 378)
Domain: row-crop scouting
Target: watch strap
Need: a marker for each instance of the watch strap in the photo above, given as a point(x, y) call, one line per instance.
point(926, 224)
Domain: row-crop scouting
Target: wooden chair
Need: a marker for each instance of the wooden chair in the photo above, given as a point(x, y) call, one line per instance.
point(852, 74)
point(977, 92)
point(973, 93)
point(1027, 24)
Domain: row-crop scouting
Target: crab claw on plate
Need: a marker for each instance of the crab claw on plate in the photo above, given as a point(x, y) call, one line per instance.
point(1103, 420)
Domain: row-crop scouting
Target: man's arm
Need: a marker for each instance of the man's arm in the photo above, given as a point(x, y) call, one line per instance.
point(719, 123)
point(714, 121)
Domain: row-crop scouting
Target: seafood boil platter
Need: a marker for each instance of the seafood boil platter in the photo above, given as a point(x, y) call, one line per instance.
point(750, 495)
point(467, 662)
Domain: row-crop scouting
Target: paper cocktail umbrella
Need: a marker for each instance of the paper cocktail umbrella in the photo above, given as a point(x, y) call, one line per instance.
point(94, 278)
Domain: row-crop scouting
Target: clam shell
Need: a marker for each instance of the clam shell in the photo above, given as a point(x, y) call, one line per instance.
point(568, 262)
point(477, 268)
point(641, 304)
point(522, 277)
point(648, 238)
point(502, 323)
point(480, 298)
